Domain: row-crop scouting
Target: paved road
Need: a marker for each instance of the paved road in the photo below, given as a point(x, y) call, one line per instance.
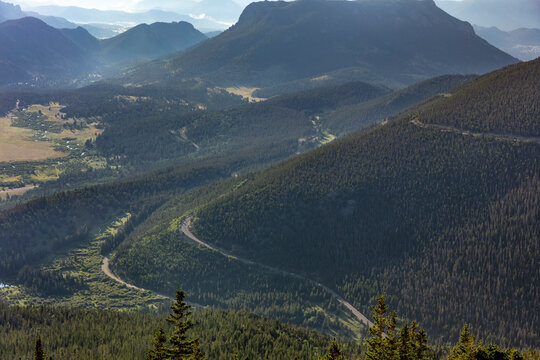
point(185, 229)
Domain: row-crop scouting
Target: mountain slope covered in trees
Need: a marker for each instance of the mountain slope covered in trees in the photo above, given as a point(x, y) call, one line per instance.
point(275, 42)
point(150, 41)
point(411, 207)
point(32, 50)
point(230, 141)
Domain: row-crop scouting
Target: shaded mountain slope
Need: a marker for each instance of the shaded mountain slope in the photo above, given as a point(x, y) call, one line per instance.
point(46, 57)
point(351, 117)
point(39, 50)
point(82, 38)
point(419, 211)
point(150, 41)
point(273, 42)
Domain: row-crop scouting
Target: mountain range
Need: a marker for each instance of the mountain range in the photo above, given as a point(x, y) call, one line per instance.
point(506, 15)
point(42, 55)
point(34, 51)
point(93, 16)
point(522, 43)
point(400, 41)
point(12, 12)
point(225, 11)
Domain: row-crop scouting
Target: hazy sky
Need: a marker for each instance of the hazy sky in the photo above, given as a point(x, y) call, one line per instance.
point(126, 5)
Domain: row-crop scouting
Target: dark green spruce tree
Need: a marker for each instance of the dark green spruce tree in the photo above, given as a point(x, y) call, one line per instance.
point(465, 348)
point(38, 352)
point(376, 344)
point(160, 351)
point(182, 346)
point(197, 352)
point(334, 352)
point(383, 344)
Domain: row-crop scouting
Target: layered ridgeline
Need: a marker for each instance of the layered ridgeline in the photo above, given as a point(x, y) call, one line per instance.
point(274, 42)
point(445, 220)
point(40, 55)
point(12, 12)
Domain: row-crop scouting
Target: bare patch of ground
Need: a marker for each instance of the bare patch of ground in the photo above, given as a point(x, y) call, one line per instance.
point(245, 92)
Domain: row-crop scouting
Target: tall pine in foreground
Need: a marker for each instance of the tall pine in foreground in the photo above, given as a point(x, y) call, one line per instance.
point(182, 347)
point(468, 349)
point(376, 349)
point(38, 353)
point(382, 344)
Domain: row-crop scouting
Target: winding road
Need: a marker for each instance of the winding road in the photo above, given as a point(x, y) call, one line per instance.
point(107, 271)
point(185, 229)
point(507, 137)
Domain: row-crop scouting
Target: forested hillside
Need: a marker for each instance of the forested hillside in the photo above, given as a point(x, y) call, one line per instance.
point(355, 116)
point(233, 139)
point(504, 102)
point(402, 199)
point(81, 334)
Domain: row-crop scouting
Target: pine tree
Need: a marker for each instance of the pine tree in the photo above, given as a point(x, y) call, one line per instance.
point(404, 343)
point(465, 349)
point(160, 350)
point(182, 347)
point(421, 347)
point(197, 352)
point(391, 348)
point(38, 353)
point(334, 352)
point(376, 349)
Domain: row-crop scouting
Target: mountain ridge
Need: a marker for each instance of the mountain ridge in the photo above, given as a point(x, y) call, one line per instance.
point(275, 42)
point(66, 57)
